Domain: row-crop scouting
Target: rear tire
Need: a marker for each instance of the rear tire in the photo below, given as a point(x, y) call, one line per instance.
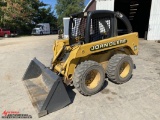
point(89, 77)
point(6, 35)
point(119, 68)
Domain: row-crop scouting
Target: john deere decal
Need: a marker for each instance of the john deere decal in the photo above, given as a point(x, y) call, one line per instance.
point(107, 45)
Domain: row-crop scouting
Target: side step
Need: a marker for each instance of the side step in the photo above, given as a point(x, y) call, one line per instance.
point(46, 89)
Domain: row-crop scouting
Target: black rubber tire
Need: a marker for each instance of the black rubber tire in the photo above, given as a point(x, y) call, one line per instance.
point(41, 33)
point(6, 35)
point(80, 74)
point(113, 68)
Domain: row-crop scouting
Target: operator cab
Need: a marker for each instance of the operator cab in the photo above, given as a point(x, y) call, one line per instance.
point(86, 27)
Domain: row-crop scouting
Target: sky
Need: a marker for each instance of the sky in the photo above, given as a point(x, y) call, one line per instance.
point(53, 2)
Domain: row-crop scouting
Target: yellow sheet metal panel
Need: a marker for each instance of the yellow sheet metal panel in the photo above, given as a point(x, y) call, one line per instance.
point(128, 40)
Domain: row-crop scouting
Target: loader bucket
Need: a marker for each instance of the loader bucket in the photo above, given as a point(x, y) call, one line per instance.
point(46, 89)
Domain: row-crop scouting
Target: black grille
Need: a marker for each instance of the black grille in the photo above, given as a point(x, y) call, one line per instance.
point(78, 27)
point(100, 28)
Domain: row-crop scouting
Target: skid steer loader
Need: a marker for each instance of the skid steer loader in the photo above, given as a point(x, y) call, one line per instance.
point(93, 51)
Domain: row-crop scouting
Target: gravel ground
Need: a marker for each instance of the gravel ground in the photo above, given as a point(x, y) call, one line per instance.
point(138, 99)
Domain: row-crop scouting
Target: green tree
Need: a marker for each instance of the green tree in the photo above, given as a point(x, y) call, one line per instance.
point(22, 14)
point(2, 4)
point(17, 14)
point(65, 8)
point(45, 15)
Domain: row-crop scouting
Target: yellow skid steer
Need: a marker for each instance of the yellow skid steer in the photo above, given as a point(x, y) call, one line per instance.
point(94, 50)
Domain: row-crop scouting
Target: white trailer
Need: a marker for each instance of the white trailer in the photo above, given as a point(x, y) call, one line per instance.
point(41, 29)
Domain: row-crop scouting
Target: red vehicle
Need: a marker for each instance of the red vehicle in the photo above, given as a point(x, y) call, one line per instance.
point(6, 33)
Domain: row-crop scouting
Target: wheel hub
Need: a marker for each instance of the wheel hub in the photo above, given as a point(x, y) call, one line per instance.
point(92, 79)
point(124, 69)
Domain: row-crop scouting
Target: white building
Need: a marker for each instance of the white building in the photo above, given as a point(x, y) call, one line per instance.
point(144, 15)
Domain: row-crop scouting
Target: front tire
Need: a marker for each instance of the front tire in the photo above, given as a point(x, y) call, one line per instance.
point(89, 77)
point(41, 33)
point(119, 68)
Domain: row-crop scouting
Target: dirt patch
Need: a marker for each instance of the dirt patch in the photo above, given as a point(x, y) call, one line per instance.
point(5, 44)
point(114, 93)
point(110, 99)
point(105, 91)
point(120, 97)
point(7, 77)
point(158, 71)
point(158, 41)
